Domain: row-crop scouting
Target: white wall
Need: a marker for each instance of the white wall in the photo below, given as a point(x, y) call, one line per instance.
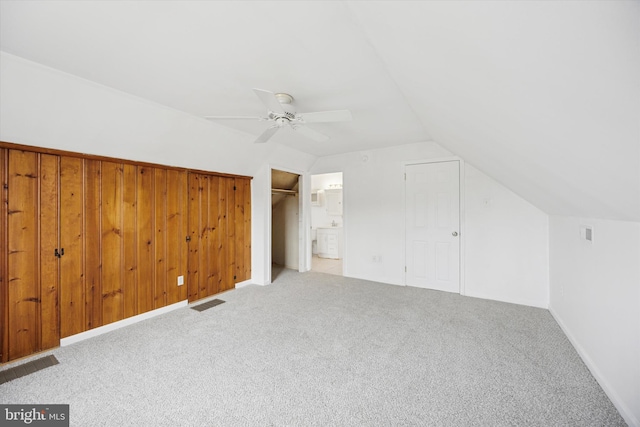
point(373, 184)
point(505, 238)
point(595, 297)
point(47, 108)
point(506, 243)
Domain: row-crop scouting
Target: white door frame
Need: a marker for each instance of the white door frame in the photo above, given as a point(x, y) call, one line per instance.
point(462, 212)
point(344, 220)
point(303, 236)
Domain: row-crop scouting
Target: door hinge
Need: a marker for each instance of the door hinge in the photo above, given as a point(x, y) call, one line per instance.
point(234, 188)
point(234, 277)
point(405, 268)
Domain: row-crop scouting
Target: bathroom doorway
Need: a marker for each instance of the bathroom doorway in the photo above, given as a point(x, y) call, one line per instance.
point(327, 223)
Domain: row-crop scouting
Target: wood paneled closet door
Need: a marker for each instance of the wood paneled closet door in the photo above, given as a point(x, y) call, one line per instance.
point(243, 229)
point(72, 214)
point(125, 227)
point(219, 233)
point(85, 242)
point(31, 260)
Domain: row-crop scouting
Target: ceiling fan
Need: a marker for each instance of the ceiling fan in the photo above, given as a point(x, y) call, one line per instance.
point(281, 113)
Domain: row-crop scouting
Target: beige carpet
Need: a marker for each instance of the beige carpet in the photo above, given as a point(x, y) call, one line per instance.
point(321, 350)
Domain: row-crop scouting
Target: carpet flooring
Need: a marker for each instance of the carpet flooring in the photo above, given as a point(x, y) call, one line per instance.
point(314, 349)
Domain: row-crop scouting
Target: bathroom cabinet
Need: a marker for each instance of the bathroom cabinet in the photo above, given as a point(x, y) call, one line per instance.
point(333, 198)
point(330, 242)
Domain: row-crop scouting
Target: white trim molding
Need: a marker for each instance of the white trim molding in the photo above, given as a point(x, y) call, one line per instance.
point(625, 412)
point(120, 324)
point(461, 208)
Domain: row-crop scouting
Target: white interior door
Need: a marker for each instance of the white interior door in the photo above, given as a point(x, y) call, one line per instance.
point(433, 225)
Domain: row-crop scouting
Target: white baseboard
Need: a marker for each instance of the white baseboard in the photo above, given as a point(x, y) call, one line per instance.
point(120, 324)
point(519, 301)
point(625, 412)
point(383, 280)
point(243, 284)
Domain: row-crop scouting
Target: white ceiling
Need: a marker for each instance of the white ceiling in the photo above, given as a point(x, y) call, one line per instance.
point(543, 96)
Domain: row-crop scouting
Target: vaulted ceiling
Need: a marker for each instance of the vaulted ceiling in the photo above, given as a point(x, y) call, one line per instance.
point(542, 96)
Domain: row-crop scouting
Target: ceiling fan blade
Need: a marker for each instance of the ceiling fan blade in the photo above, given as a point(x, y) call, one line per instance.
point(325, 116)
point(234, 118)
point(269, 100)
point(310, 133)
point(267, 134)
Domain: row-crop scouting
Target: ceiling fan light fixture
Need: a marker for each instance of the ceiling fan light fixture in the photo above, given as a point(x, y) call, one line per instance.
point(284, 98)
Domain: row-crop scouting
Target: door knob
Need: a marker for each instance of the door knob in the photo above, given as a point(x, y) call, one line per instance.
point(454, 234)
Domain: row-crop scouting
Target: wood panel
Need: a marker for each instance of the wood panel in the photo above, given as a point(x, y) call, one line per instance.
point(176, 245)
point(239, 230)
point(123, 228)
point(145, 238)
point(220, 231)
point(4, 312)
point(204, 248)
point(229, 268)
point(212, 262)
point(72, 289)
point(247, 228)
point(129, 206)
point(243, 229)
point(84, 156)
point(112, 262)
point(49, 241)
point(160, 295)
point(222, 248)
point(23, 254)
point(193, 273)
point(184, 232)
point(93, 243)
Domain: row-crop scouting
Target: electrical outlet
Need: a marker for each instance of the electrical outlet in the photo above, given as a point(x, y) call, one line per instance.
point(180, 280)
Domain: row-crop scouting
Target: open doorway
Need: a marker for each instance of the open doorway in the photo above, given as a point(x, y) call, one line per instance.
point(285, 221)
point(327, 236)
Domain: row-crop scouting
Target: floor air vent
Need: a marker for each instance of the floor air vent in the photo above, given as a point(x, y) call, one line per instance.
point(27, 368)
point(206, 305)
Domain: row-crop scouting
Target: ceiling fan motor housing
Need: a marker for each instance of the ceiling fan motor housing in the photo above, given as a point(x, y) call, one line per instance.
point(282, 118)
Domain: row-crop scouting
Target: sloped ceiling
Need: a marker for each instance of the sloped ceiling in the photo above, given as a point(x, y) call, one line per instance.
point(281, 180)
point(542, 96)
